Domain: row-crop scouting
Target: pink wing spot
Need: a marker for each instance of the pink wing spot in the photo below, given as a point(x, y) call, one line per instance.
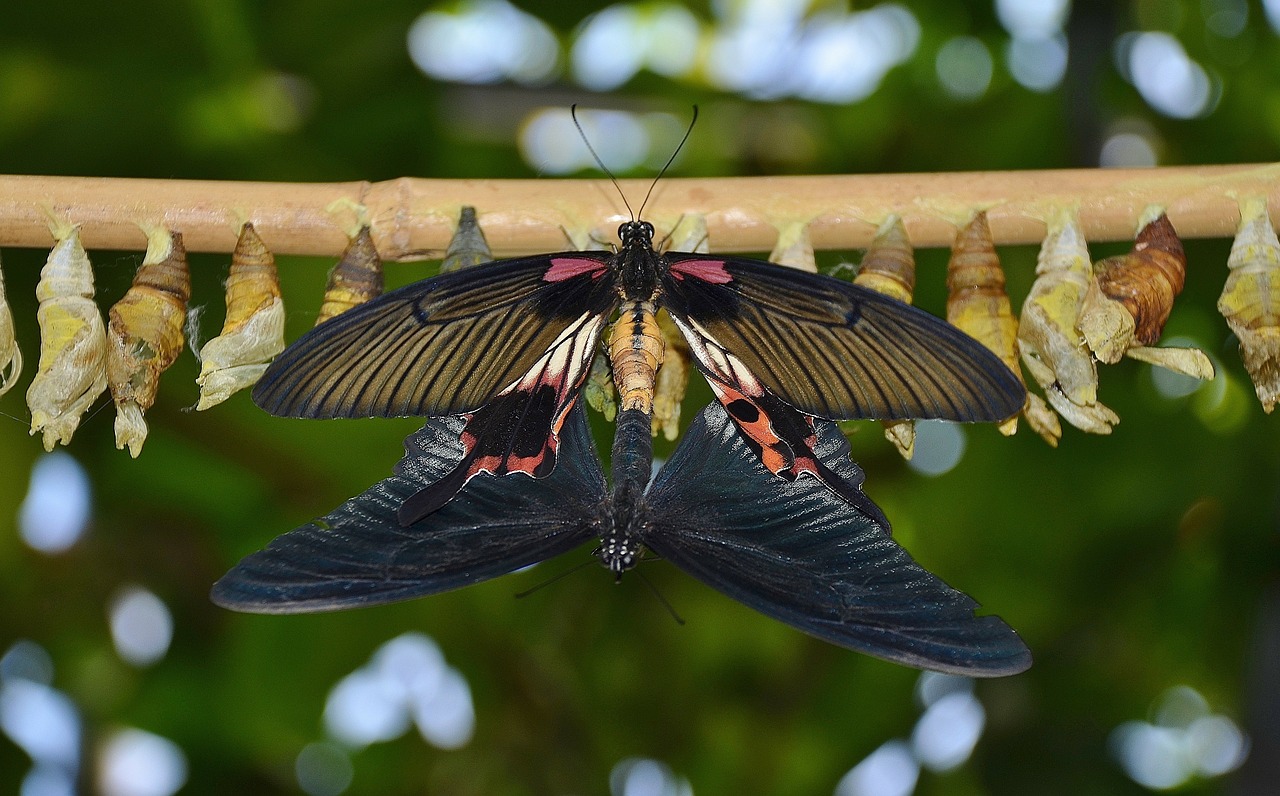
point(563, 268)
point(706, 270)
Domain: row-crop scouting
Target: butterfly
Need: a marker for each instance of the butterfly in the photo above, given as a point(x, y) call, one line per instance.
point(818, 559)
point(507, 346)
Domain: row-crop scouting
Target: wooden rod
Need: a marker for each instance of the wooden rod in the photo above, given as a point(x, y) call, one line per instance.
point(414, 218)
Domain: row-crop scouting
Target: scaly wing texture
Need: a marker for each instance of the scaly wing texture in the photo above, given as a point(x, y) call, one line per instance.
point(359, 554)
point(813, 559)
point(442, 346)
point(519, 430)
point(830, 348)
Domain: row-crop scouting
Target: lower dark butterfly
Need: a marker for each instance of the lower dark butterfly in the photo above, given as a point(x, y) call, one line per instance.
point(795, 550)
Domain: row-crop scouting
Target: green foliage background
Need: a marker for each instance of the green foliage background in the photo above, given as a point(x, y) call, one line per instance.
point(1129, 563)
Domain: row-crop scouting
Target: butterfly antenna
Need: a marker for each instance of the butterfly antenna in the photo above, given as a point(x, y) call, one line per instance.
point(573, 112)
point(553, 579)
point(665, 603)
point(671, 159)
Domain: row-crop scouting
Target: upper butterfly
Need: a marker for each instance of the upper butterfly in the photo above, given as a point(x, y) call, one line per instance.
point(509, 344)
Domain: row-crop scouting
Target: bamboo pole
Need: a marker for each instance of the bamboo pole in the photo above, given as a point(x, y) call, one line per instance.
point(414, 218)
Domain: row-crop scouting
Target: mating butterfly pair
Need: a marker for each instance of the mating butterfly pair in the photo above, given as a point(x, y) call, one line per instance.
point(499, 353)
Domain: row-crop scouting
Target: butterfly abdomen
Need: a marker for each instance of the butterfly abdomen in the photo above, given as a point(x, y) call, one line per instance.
point(636, 348)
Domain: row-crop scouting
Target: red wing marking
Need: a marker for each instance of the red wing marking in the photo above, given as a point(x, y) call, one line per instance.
point(765, 436)
point(563, 268)
point(783, 438)
point(706, 270)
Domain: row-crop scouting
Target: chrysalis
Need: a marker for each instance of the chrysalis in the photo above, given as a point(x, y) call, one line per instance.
point(1050, 346)
point(10, 354)
point(354, 279)
point(598, 391)
point(889, 267)
point(1250, 300)
point(468, 247)
point(253, 332)
point(1129, 301)
point(144, 333)
point(978, 304)
point(73, 345)
point(794, 248)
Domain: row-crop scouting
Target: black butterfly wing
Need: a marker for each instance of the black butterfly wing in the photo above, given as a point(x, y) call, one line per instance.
point(359, 554)
point(831, 348)
point(441, 346)
point(825, 564)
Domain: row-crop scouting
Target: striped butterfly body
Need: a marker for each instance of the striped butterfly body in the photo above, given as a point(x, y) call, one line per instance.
point(508, 345)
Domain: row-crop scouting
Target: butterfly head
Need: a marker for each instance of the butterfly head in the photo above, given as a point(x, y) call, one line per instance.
point(636, 234)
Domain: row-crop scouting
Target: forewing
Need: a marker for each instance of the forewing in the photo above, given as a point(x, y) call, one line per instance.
point(359, 554)
point(441, 346)
point(831, 348)
point(820, 562)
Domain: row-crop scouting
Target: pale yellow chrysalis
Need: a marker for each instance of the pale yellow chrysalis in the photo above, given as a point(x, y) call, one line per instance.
point(1052, 350)
point(72, 372)
point(1250, 300)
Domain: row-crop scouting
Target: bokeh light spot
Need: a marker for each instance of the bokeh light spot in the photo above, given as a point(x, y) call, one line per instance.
point(365, 708)
point(890, 770)
point(636, 776)
point(1272, 9)
point(406, 682)
point(445, 716)
point(932, 686)
point(137, 763)
point(56, 510)
point(141, 626)
point(1127, 151)
point(1038, 64)
point(1185, 740)
point(26, 660)
point(946, 734)
point(1224, 405)
point(599, 63)
point(964, 68)
point(672, 40)
point(42, 721)
point(1165, 75)
point(550, 141)
point(939, 447)
point(1032, 18)
point(323, 769)
point(484, 41)
point(1226, 18)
